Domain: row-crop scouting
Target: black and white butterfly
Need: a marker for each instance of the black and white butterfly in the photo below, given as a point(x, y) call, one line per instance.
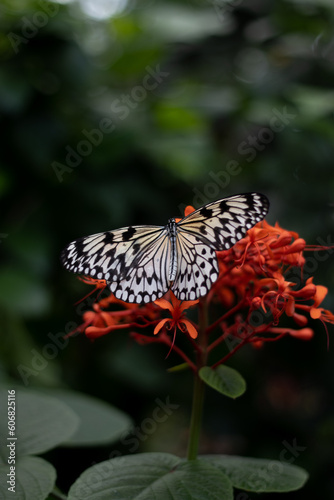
point(141, 263)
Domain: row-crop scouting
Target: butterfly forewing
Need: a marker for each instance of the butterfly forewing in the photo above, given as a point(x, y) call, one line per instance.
point(115, 255)
point(147, 278)
point(222, 223)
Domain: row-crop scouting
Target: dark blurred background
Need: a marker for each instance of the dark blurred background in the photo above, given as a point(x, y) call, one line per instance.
point(123, 112)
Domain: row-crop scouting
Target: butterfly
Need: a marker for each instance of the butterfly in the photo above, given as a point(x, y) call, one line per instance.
point(141, 263)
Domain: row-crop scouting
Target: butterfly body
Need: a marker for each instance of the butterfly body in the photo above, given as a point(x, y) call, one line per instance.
point(141, 263)
point(171, 226)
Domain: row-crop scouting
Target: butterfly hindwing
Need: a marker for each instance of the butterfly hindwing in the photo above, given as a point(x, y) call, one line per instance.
point(197, 267)
point(147, 278)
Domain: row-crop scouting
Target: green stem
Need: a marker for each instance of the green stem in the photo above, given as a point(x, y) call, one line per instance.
point(196, 418)
point(199, 386)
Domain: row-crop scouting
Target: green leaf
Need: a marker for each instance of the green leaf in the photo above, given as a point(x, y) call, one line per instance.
point(34, 479)
point(224, 379)
point(100, 423)
point(178, 368)
point(258, 474)
point(41, 422)
point(152, 476)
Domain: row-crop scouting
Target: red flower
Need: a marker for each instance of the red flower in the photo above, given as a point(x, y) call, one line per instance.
point(281, 297)
point(319, 312)
point(178, 320)
point(253, 280)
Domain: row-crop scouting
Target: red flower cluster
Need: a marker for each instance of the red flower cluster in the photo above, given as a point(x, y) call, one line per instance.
point(260, 283)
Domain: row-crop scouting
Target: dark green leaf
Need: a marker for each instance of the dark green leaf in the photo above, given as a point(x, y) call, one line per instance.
point(259, 475)
point(178, 368)
point(34, 479)
point(152, 476)
point(224, 379)
point(42, 422)
point(100, 423)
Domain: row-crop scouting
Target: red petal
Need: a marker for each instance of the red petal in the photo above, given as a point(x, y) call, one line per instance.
point(191, 329)
point(188, 303)
point(307, 292)
point(315, 313)
point(188, 210)
point(300, 319)
point(320, 294)
point(283, 240)
point(160, 325)
point(290, 306)
point(303, 333)
point(164, 304)
point(93, 332)
point(297, 246)
point(89, 316)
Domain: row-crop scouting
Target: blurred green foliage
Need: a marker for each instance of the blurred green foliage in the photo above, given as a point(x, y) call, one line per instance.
point(224, 71)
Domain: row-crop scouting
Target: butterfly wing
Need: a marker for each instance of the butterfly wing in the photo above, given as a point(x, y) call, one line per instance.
point(147, 277)
point(222, 223)
point(216, 226)
point(197, 267)
point(133, 260)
